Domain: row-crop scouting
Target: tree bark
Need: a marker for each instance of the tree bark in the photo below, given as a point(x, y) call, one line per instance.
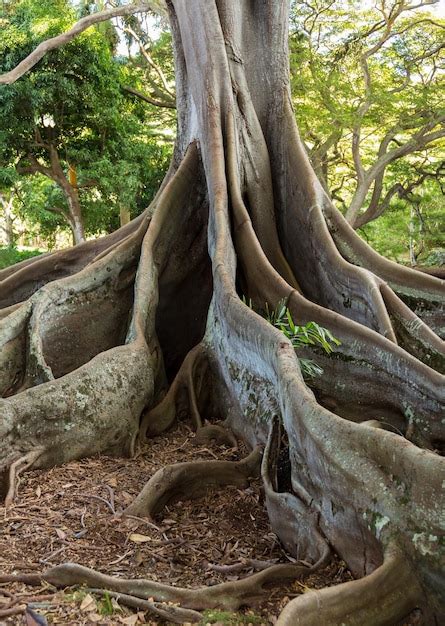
point(8, 219)
point(68, 185)
point(241, 213)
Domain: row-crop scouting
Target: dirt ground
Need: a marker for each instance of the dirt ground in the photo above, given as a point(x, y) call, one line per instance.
point(71, 513)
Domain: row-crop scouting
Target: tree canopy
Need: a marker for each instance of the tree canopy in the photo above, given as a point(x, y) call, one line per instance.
point(69, 120)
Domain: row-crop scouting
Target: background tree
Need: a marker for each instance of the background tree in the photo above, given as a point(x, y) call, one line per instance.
point(55, 124)
point(367, 83)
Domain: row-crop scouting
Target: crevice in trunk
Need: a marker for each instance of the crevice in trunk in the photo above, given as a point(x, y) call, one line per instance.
point(185, 282)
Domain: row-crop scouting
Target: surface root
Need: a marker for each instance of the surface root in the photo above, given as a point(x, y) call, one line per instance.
point(382, 598)
point(229, 595)
point(16, 468)
point(170, 613)
point(161, 417)
point(190, 479)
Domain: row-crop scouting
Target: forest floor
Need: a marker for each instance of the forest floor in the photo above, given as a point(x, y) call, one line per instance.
point(71, 513)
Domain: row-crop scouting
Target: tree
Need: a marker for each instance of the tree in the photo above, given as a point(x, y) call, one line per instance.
point(53, 123)
point(389, 111)
point(242, 213)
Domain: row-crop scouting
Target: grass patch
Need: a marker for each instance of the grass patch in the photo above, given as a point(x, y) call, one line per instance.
point(231, 619)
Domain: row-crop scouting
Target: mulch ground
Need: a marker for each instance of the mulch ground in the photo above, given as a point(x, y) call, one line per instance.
point(71, 513)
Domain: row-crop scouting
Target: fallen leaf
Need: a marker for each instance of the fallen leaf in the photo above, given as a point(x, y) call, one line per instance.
point(112, 482)
point(88, 604)
point(38, 491)
point(137, 538)
point(60, 533)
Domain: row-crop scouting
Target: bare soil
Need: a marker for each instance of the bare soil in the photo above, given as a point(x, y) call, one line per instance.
point(72, 513)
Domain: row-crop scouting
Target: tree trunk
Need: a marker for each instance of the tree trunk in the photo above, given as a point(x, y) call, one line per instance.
point(8, 221)
point(74, 214)
point(241, 213)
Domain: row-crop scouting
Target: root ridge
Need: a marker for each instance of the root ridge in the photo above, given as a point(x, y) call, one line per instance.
point(190, 479)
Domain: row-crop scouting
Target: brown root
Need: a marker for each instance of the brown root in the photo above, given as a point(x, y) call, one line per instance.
point(217, 434)
point(382, 598)
point(241, 566)
point(15, 610)
point(28, 579)
point(163, 416)
point(189, 480)
point(229, 595)
point(16, 468)
point(170, 613)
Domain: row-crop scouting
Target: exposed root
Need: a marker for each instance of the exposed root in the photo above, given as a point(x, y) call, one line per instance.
point(229, 595)
point(424, 293)
point(382, 598)
point(361, 349)
point(214, 432)
point(28, 579)
point(243, 565)
point(15, 610)
point(170, 613)
point(163, 416)
point(413, 334)
point(18, 282)
point(188, 480)
point(19, 466)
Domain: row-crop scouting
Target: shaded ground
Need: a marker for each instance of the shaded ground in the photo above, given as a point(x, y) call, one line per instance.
point(67, 514)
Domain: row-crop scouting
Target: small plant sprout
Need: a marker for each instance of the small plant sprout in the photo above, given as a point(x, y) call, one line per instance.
point(310, 334)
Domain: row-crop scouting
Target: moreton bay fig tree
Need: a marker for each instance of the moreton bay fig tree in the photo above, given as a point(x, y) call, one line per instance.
point(112, 340)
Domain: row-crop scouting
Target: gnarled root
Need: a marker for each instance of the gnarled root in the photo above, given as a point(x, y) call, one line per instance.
point(216, 433)
point(382, 598)
point(16, 468)
point(188, 380)
point(168, 612)
point(188, 480)
point(229, 595)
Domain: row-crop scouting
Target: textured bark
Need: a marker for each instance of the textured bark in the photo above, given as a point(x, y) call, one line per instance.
point(242, 213)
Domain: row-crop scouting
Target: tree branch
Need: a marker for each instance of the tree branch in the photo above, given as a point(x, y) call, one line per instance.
point(58, 41)
point(143, 50)
point(157, 103)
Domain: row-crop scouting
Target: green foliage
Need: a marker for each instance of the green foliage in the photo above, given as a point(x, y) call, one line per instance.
point(418, 224)
point(404, 98)
point(10, 256)
point(73, 102)
point(105, 606)
point(310, 334)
